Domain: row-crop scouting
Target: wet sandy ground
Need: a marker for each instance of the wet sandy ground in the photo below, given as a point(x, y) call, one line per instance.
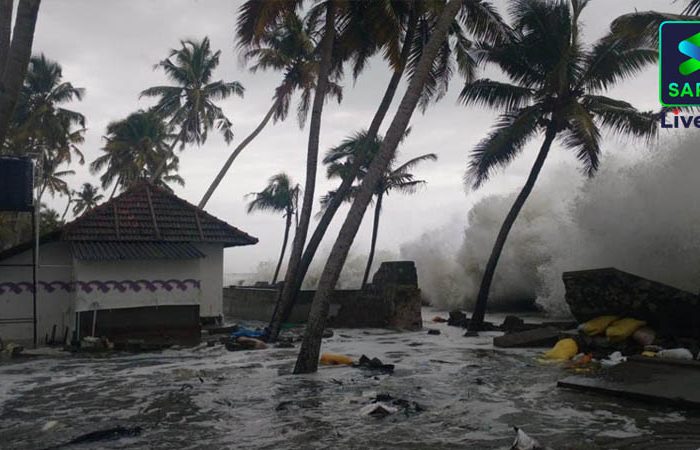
point(211, 398)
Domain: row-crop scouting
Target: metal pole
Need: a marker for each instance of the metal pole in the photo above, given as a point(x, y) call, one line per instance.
point(35, 251)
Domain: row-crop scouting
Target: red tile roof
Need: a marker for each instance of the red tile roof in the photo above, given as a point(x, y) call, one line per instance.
point(146, 212)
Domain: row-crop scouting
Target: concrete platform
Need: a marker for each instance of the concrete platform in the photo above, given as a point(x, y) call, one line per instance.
point(645, 379)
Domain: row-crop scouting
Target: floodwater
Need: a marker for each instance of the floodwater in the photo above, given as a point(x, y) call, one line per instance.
point(206, 397)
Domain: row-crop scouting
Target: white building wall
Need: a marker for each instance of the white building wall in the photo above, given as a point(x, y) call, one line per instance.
point(136, 283)
point(54, 295)
point(212, 270)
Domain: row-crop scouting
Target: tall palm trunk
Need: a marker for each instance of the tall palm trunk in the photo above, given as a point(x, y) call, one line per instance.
point(477, 318)
point(373, 244)
point(116, 185)
point(222, 173)
point(5, 31)
point(15, 65)
point(287, 226)
point(307, 360)
point(290, 292)
point(65, 211)
point(161, 166)
point(312, 154)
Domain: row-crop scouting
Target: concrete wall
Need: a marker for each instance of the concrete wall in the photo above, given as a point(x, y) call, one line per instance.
point(54, 295)
point(211, 274)
point(386, 304)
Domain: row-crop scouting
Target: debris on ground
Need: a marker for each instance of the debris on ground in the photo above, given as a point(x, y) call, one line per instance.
point(458, 319)
point(525, 442)
point(563, 350)
point(675, 353)
point(434, 332)
point(110, 434)
point(333, 359)
point(541, 337)
point(244, 343)
point(438, 319)
point(247, 332)
point(374, 364)
point(11, 350)
point(386, 403)
point(378, 410)
point(95, 344)
point(613, 359)
point(621, 329)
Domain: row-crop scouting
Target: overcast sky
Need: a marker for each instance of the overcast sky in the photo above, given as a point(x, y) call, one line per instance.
point(110, 47)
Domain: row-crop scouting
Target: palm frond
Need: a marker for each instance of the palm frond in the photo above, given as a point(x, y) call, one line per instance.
point(621, 117)
point(495, 94)
point(583, 137)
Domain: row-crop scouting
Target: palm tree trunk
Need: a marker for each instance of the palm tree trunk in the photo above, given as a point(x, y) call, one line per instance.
point(373, 244)
point(17, 60)
point(222, 173)
point(287, 226)
point(161, 167)
point(65, 211)
point(307, 360)
point(477, 318)
point(290, 292)
point(5, 31)
point(311, 161)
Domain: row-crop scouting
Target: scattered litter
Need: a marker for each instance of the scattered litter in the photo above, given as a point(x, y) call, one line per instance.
point(332, 359)
point(247, 332)
point(622, 329)
point(564, 350)
point(675, 353)
point(613, 359)
point(598, 325)
point(525, 442)
point(434, 332)
point(378, 410)
point(244, 343)
point(374, 364)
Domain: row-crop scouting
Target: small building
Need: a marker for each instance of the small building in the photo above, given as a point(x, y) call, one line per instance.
point(144, 265)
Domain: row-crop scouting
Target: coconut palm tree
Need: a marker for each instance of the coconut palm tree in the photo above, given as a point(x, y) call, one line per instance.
point(52, 178)
point(135, 147)
point(556, 89)
point(400, 30)
point(15, 52)
point(41, 123)
point(307, 361)
point(339, 161)
point(87, 198)
point(288, 48)
point(189, 105)
point(280, 195)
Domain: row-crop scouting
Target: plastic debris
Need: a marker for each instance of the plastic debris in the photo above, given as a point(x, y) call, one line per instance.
point(622, 329)
point(247, 332)
point(332, 359)
point(525, 442)
point(563, 350)
point(597, 325)
point(644, 336)
point(378, 409)
point(613, 359)
point(374, 364)
point(648, 354)
point(675, 353)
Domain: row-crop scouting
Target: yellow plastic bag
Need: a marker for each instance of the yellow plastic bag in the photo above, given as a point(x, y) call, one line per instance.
point(564, 350)
point(332, 359)
point(598, 325)
point(623, 328)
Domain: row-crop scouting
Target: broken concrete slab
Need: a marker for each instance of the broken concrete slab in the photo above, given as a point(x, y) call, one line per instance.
point(669, 311)
point(645, 379)
point(540, 337)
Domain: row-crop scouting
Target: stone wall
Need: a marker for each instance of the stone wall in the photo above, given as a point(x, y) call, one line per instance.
point(591, 293)
point(392, 300)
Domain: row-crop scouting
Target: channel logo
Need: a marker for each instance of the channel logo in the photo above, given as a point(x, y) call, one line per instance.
point(679, 63)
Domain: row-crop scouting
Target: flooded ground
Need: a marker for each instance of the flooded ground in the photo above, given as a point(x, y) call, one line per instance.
point(472, 395)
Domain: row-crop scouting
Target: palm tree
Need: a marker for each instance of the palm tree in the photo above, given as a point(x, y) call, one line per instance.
point(286, 47)
point(52, 178)
point(87, 198)
point(14, 55)
point(280, 195)
point(556, 89)
point(41, 124)
point(135, 147)
point(307, 360)
point(190, 106)
point(339, 161)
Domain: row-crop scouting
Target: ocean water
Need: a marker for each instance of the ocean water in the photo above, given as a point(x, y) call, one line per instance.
point(207, 397)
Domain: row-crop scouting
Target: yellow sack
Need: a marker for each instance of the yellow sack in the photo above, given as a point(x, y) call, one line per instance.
point(332, 359)
point(598, 325)
point(564, 350)
point(623, 328)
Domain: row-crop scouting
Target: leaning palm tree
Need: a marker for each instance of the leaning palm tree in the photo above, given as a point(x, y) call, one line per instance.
point(557, 90)
point(339, 161)
point(280, 195)
point(135, 147)
point(286, 47)
point(87, 198)
point(307, 361)
point(189, 105)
